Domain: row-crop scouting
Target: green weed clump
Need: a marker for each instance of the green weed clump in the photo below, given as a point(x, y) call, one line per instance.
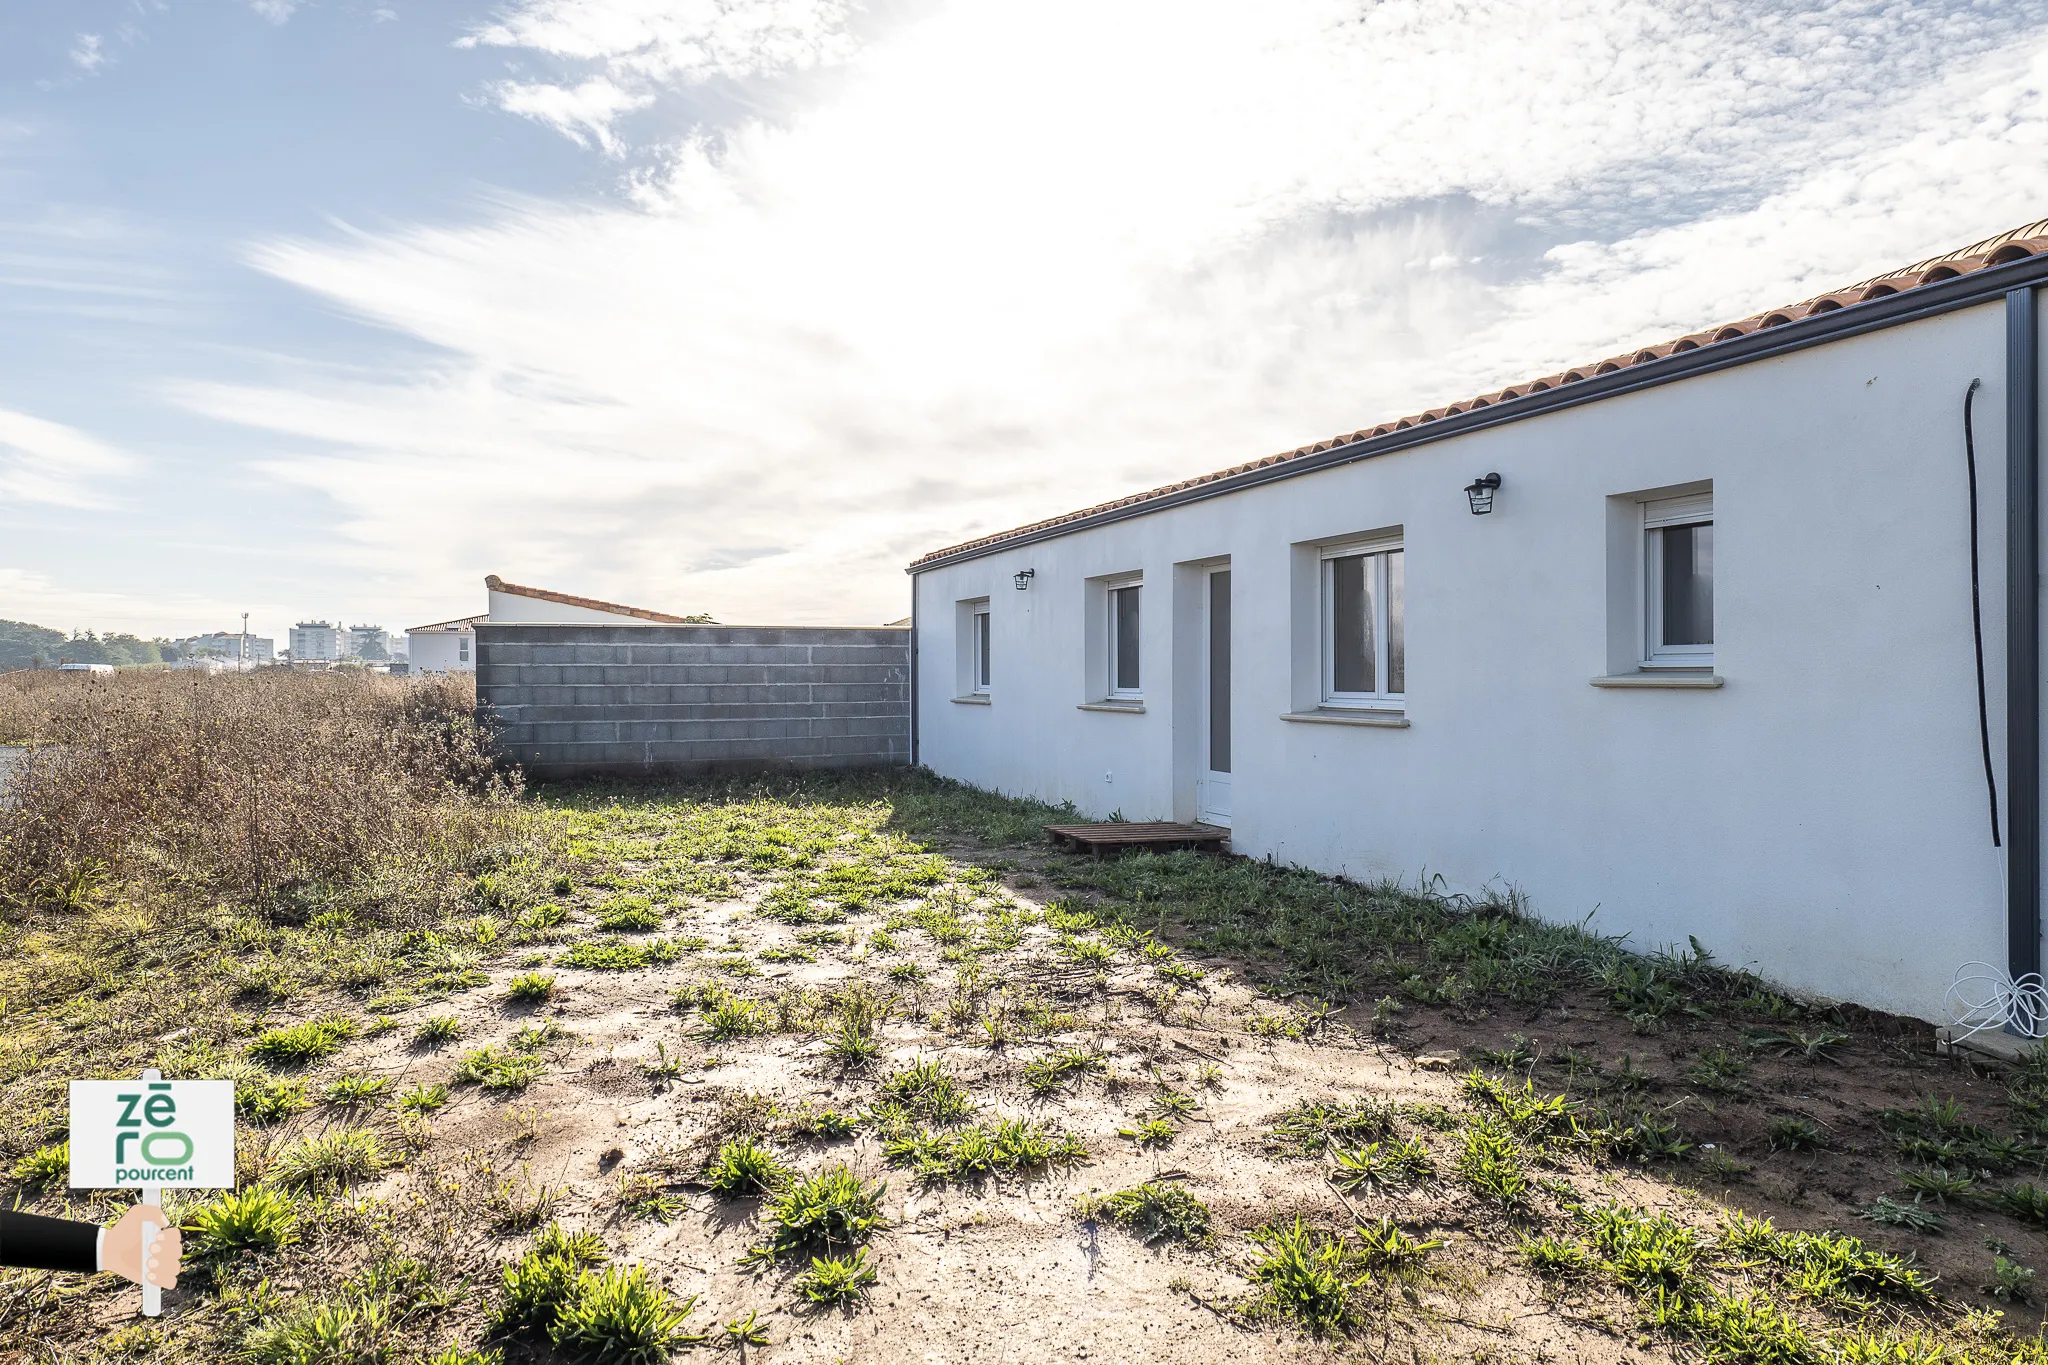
point(331, 1161)
point(264, 1100)
point(1491, 1163)
point(256, 1220)
point(437, 1031)
point(1156, 1211)
point(599, 955)
point(530, 988)
point(837, 1281)
point(1005, 1147)
point(44, 1167)
point(1307, 1276)
point(302, 1044)
point(533, 1288)
point(1310, 1127)
point(355, 1091)
point(423, 1099)
point(744, 1167)
point(1050, 1074)
point(1555, 1258)
point(500, 1068)
point(628, 915)
point(927, 1090)
point(822, 1215)
point(1395, 1164)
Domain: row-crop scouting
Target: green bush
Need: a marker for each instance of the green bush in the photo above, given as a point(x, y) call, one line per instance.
point(500, 1068)
point(837, 1281)
point(822, 1214)
point(618, 1316)
point(744, 1167)
point(1156, 1211)
point(44, 1167)
point(928, 1090)
point(1306, 1276)
point(530, 988)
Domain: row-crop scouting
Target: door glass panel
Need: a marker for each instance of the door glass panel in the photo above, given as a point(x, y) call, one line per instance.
point(1351, 643)
point(981, 649)
point(1219, 672)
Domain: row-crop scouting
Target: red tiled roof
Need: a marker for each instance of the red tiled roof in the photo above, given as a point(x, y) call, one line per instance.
point(497, 584)
point(2007, 247)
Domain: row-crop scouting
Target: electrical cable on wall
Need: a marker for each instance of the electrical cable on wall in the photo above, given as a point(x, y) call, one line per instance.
point(1977, 610)
point(1983, 998)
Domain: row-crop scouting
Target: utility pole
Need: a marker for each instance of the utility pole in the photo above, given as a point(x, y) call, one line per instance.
point(242, 655)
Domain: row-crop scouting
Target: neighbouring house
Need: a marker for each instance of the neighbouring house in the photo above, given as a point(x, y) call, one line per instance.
point(68, 667)
point(444, 646)
point(317, 642)
point(450, 646)
point(1679, 643)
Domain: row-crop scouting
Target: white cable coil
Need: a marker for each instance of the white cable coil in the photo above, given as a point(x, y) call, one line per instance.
point(1983, 998)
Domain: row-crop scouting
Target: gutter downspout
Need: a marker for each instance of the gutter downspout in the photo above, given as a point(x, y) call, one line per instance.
point(2023, 637)
point(913, 670)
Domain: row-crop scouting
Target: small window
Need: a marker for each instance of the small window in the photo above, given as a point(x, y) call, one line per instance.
point(1123, 641)
point(1365, 651)
point(462, 649)
point(981, 650)
point(1678, 582)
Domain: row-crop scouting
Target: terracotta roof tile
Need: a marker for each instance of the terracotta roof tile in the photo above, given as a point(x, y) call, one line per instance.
point(2018, 244)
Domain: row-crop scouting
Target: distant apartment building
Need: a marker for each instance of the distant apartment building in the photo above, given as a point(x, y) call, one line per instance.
point(317, 642)
point(367, 642)
point(230, 645)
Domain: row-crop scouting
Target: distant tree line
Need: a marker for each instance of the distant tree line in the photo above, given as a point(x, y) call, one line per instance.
point(29, 646)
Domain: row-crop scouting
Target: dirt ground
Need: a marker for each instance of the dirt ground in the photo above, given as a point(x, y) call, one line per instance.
point(1767, 1106)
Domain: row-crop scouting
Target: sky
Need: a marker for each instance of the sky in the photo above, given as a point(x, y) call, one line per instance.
point(328, 308)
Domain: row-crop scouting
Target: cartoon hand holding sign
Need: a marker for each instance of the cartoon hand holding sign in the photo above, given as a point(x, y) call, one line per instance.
point(139, 1135)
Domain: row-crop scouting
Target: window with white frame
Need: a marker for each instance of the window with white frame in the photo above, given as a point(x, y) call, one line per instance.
point(1678, 582)
point(462, 649)
point(1123, 654)
point(977, 667)
point(1365, 653)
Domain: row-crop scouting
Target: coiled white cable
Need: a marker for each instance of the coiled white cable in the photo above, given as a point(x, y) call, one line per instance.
point(1982, 998)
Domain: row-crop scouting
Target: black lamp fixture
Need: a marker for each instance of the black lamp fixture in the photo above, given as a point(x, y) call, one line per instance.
point(1480, 492)
point(1024, 577)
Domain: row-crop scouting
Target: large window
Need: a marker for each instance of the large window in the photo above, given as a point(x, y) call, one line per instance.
point(1678, 582)
point(980, 646)
point(1123, 641)
point(1365, 656)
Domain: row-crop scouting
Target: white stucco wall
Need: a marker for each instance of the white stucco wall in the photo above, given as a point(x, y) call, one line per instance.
point(1820, 819)
point(439, 651)
point(517, 608)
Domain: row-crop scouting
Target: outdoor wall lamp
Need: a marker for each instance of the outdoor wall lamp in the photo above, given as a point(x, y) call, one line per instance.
point(1024, 577)
point(1480, 492)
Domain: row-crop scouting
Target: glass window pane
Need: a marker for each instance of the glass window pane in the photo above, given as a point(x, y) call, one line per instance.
point(1688, 569)
point(1126, 665)
point(1351, 626)
point(1397, 649)
point(1219, 672)
point(981, 649)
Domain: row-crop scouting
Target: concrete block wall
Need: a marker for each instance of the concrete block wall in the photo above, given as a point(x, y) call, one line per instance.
point(621, 699)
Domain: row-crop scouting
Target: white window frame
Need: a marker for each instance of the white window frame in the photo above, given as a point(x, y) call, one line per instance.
point(1693, 509)
point(462, 649)
point(1376, 548)
point(980, 650)
point(1109, 601)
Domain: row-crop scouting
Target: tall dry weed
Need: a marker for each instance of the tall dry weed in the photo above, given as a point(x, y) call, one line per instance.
point(252, 788)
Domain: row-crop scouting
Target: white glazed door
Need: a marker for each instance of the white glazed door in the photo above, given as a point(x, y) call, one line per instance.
point(1212, 798)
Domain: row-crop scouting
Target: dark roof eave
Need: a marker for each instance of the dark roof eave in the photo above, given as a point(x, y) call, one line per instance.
point(1925, 301)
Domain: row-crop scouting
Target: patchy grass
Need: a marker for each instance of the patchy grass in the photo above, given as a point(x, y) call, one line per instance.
point(936, 993)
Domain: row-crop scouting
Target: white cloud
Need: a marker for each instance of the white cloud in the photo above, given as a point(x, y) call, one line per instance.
point(276, 11)
point(632, 48)
point(583, 113)
point(1021, 258)
point(87, 54)
point(46, 462)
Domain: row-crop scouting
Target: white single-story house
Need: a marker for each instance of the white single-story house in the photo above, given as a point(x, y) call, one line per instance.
point(450, 646)
point(1683, 641)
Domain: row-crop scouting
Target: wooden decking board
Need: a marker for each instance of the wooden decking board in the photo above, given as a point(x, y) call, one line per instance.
point(1122, 836)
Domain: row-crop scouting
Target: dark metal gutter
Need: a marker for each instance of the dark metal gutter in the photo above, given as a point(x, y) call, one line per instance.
point(2023, 633)
point(1931, 300)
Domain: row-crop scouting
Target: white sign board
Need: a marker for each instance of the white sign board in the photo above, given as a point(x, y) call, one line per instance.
point(134, 1134)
